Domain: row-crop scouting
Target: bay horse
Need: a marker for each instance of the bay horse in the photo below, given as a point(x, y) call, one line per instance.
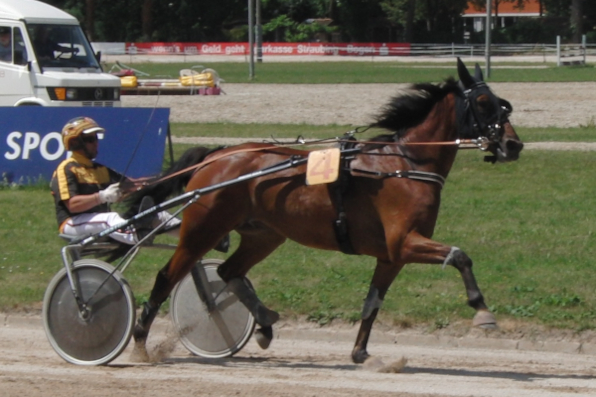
point(387, 205)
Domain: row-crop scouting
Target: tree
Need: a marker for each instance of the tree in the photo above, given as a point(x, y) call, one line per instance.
point(356, 20)
point(90, 18)
point(436, 17)
point(147, 19)
point(577, 19)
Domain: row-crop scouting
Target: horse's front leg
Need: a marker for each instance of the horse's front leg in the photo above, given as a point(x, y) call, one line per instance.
point(419, 249)
point(148, 314)
point(385, 273)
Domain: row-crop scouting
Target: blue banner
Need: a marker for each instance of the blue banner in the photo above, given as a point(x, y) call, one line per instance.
point(31, 141)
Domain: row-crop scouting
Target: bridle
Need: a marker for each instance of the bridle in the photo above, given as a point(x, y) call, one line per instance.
point(473, 123)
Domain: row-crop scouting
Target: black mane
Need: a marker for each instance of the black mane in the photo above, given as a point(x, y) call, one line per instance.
point(411, 108)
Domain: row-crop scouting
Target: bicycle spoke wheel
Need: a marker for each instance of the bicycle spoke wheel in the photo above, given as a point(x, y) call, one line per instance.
point(221, 332)
point(99, 334)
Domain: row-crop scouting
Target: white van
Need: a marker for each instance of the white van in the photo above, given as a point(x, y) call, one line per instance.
point(46, 60)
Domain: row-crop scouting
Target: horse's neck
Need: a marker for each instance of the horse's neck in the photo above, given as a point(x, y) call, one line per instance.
point(431, 144)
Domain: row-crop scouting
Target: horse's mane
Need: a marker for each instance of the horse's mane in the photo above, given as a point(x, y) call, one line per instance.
point(410, 108)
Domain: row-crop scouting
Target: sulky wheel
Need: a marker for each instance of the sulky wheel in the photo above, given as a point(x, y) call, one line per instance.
point(212, 323)
point(100, 332)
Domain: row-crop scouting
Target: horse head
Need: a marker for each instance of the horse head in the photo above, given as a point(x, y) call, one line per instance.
point(483, 115)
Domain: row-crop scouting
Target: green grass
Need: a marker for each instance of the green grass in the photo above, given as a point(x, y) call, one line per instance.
point(368, 72)
point(528, 226)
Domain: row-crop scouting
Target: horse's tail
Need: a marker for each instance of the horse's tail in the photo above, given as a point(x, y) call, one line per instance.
point(159, 188)
point(170, 182)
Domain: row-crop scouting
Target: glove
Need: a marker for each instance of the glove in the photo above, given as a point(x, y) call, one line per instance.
point(111, 194)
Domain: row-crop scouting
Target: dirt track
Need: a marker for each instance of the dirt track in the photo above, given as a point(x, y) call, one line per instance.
point(535, 105)
point(297, 364)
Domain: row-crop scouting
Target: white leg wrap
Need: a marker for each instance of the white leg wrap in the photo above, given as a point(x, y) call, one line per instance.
point(449, 257)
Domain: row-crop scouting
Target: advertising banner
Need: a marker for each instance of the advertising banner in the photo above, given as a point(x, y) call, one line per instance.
point(352, 49)
point(31, 142)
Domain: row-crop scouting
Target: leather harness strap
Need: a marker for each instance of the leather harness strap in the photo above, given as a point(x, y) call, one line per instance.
point(141, 183)
point(337, 191)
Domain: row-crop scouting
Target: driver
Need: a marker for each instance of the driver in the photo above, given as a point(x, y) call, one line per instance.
point(5, 45)
point(83, 189)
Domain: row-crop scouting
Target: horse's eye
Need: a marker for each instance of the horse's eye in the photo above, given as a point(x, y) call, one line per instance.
point(484, 104)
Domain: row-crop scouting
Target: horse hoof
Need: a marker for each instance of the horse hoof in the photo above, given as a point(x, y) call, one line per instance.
point(485, 320)
point(359, 356)
point(264, 336)
point(139, 353)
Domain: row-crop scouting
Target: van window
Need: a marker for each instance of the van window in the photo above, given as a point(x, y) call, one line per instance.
point(20, 52)
point(61, 46)
point(5, 44)
point(12, 46)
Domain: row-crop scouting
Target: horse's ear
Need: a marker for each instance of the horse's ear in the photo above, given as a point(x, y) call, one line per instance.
point(478, 73)
point(464, 75)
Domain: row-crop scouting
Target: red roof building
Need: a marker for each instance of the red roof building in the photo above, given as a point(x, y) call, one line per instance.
point(508, 13)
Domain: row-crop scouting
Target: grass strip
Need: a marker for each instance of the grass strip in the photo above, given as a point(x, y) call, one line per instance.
point(350, 72)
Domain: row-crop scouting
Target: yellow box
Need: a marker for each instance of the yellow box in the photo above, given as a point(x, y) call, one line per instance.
point(129, 81)
point(200, 79)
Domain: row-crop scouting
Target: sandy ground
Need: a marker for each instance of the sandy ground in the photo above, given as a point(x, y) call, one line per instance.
point(293, 366)
point(535, 105)
point(297, 365)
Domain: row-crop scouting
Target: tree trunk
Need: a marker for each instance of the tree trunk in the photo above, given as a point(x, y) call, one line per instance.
point(90, 19)
point(541, 7)
point(577, 20)
point(429, 22)
point(147, 19)
point(409, 33)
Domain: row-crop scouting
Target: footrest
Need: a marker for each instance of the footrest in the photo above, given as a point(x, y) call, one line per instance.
point(68, 237)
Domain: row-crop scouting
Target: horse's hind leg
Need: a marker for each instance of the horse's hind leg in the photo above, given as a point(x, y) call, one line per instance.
point(419, 249)
point(256, 244)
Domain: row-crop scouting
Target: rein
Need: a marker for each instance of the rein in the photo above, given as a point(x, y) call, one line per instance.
point(480, 143)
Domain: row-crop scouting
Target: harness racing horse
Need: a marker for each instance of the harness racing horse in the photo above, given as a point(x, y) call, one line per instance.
point(387, 208)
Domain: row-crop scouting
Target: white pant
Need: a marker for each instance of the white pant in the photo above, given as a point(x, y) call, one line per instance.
point(87, 224)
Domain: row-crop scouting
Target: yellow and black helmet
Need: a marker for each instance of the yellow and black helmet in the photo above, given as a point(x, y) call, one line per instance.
point(77, 127)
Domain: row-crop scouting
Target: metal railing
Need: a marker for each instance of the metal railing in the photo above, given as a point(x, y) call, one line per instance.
point(477, 50)
point(539, 51)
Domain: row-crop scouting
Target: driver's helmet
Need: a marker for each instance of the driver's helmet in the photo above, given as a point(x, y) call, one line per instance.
point(72, 131)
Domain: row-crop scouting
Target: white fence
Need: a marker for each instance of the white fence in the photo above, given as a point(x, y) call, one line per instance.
point(544, 51)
